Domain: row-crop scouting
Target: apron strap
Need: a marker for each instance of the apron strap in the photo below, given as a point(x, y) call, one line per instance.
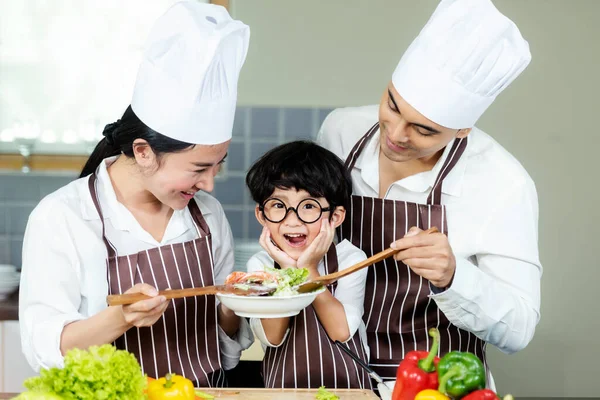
point(359, 147)
point(200, 222)
point(203, 229)
point(435, 196)
point(93, 179)
point(457, 149)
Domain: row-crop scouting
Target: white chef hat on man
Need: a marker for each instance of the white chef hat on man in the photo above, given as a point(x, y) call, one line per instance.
point(467, 53)
point(186, 87)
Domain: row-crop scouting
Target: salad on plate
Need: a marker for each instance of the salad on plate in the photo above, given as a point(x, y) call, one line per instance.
point(284, 281)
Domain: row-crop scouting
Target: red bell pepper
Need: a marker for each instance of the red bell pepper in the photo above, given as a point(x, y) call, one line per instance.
point(484, 394)
point(417, 371)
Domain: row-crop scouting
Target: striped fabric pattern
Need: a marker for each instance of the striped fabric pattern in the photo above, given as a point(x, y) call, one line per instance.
point(185, 339)
point(398, 310)
point(308, 358)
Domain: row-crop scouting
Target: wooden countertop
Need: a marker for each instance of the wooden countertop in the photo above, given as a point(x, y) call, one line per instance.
point(9, 308)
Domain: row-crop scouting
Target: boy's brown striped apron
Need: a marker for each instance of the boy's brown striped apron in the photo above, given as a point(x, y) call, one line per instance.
point(308, 358)
point(184, 340)
point(398, 311)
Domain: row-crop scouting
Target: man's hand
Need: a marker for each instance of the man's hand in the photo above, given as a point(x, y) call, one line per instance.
point(429, 256)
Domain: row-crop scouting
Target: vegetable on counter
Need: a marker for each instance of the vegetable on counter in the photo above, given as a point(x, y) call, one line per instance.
point(484, 394)
point(101, 372)
point(417, 371)
point(460, 373)
point(430, 394)
point(171, 386)
point(324, 394)
point(37, 396)
point(202, 395)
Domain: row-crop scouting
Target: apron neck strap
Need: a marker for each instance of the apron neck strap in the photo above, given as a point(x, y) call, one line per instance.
point(92, 181)
point(359, 147)
point(435, 196)
point(199, 221)
point(202, 226)
point(457, 149)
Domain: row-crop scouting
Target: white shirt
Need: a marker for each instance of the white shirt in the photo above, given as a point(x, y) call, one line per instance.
point(64, 277)
point(492, 214)
point(350, 291)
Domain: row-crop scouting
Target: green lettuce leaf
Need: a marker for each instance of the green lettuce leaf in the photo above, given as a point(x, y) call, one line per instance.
point(101, 373)
point(324, 394)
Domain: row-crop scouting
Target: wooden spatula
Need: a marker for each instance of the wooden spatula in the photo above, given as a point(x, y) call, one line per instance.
point(325, 280)
point(130, 298)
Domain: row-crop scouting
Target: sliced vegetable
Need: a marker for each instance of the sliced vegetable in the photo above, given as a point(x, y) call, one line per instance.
point(202, 395)
point(324, 394)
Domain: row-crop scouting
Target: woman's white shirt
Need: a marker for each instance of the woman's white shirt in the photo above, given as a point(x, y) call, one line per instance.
point(64, 277)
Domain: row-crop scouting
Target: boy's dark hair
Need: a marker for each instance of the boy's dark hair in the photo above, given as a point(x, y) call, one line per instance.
point(302, 165)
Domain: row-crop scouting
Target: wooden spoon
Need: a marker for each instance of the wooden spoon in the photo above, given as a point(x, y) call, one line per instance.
point(130, 298)
point(325, 280)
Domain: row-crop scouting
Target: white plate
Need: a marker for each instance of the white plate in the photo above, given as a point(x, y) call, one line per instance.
point(268, 306)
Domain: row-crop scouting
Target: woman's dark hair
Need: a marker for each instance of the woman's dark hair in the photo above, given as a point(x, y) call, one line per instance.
point(119, 137)
point(302, 165)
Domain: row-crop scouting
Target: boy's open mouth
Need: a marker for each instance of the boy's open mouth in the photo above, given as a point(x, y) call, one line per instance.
point(295, 239)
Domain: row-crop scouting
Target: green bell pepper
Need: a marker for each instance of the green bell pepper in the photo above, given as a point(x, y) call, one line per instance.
point(460, 373)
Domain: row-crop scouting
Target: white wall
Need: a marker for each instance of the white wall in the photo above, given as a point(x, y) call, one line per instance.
point(342, 52)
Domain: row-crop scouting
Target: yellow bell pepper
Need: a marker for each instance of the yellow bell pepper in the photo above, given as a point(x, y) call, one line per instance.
point(430, 394)
point(171, 387)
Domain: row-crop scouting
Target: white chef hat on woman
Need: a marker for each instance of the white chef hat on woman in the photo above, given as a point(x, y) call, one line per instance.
point(186, 86)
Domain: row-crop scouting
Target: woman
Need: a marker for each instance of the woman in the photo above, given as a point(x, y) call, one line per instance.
point(138, 219)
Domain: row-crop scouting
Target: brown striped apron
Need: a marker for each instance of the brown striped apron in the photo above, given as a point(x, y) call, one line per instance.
point(308, 358)
point(185, 339)
point(398, 311)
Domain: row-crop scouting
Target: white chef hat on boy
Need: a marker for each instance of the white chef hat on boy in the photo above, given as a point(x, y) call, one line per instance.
point(467, 53)
point(186, 87)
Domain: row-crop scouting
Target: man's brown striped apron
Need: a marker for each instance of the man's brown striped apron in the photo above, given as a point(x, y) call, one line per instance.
point(184, 340)
point(398, 311)
point(308, 358)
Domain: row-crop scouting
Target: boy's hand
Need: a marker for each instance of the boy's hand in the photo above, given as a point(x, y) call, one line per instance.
point(279, 256)
point(315, 252)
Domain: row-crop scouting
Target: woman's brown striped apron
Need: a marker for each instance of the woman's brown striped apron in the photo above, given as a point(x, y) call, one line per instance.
point(185, 339)
point(308, 358)
point(398, 311)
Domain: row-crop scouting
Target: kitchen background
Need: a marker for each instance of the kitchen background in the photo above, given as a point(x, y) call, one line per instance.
point(307, 57)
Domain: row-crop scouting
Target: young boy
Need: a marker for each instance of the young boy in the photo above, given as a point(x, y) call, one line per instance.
point(302, 192)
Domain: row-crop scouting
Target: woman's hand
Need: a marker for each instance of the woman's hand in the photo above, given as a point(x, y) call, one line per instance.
point(279, 256)
point(312, 256)
point(144, 312)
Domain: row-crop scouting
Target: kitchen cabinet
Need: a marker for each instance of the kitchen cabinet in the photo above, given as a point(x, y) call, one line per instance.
point(14, 368)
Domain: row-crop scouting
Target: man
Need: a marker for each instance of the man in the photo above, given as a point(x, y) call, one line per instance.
point(425, 164)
